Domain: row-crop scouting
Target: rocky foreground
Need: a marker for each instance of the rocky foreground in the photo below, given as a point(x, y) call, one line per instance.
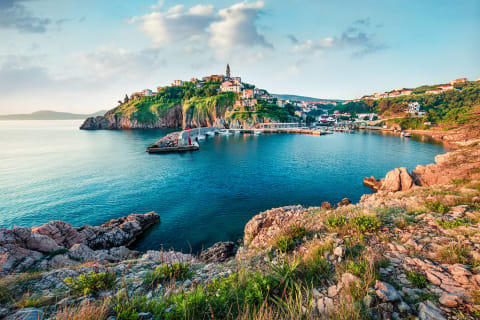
point(410, 250)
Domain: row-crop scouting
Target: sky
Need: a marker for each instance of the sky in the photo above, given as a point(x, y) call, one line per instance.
point(84, 56)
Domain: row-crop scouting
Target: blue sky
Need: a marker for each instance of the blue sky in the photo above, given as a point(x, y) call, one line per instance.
point(82, 56)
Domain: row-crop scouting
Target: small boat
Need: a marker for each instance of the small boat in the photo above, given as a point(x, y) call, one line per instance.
point(211, 133)
point(257, 132)
point(407, 135)
point(237, 132)
point(201, 137)
point(224, 132)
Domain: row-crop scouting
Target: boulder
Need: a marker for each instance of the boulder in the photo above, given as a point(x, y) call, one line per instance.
point(326, 205)
point(450, 300)
point(219, 252)
point(27, 314)
point(386, 292)
point(429, 311)
point(399, 179)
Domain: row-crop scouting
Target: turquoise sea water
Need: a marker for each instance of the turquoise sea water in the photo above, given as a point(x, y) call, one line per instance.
point(50, 170)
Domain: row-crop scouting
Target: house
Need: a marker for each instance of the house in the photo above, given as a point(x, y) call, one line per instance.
point(248, 94)
point(406, 92)
point(363, 116)
point(459, 80)
point(435, 91)
point(159, 88)
point(413, 107)
point(147, 92)
point(447, 87)
point(193, 80)
point(177, 83)
point(228, 86)
point(214, 77)
point(236, 80)
point(246, 103)
point(135, 95)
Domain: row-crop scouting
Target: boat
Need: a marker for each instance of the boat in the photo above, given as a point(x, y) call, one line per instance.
point(257, 132)
point(211, 133)
point(201, 137)
point(224, 132)
point(237, 132)
point(407, 135)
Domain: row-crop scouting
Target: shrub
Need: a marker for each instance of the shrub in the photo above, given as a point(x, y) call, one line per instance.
point(417, 279)
point(54, 253)
point(437, 206)
point(357, 268)
point(335, 221)
point(286, 272)
point(316, 269)
point(91, 282)
point(28, 301)
point(450, 224)
point(128, 308)
point(175, 271)
point(296, 232)
point(284, 243)
point(14, 286)
point(366, 223)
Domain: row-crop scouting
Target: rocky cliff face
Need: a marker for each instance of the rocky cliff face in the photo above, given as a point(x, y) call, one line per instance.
point(58, 243)
point(171, 119)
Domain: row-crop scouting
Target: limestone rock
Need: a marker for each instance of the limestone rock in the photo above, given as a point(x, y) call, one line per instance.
point(219, 252)
point(386, 292)
point(450, 300)
point(429, 311)
point(27, 314)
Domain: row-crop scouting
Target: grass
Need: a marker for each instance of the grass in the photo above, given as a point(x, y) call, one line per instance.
point(418, 280)
point(450, 224)
point(284, 243)
point(28, 301)
point(54, 253)
point(453, 253)
point(437, 206)
point(166, 272)
point(15, 286)
point(86, 311)
point(91, 282)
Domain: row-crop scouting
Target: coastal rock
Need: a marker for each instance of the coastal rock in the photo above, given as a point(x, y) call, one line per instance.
point(371, 182)
point(172, 118)
point(58, 243)
point(27, 314)
point(399, 179)
point(387, 292)
point(219, 252)
point(429, 311)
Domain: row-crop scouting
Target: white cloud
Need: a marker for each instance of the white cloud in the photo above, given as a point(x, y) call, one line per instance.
point(111, 61)
point(354, 38)
point(176, 24)
point(225, 30)
point(236, 28)
point(293, 70)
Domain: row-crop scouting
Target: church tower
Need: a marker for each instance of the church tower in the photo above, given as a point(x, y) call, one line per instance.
point(227, 73)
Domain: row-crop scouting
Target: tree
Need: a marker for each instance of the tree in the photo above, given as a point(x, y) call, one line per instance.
point(125, 100)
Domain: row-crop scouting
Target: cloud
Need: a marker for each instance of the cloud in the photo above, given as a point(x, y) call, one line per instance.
point(293, 39)
point(236, 28)
point(108, 62)
point(175, 24)
point(225, 30)
point(14, 15)
point(354, 39)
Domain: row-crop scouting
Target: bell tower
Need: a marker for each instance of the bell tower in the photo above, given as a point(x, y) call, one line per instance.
point(227, 72)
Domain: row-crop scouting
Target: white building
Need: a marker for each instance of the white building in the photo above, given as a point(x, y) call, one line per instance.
point(281, 103)
point(369, 116)
point(147, 92)
point(413, 107)
point(228, 86)
point(177, 83)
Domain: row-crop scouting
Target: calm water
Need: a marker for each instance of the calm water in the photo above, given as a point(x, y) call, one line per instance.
point(51, 170)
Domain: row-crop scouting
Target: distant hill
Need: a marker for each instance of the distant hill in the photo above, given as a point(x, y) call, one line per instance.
point(50, 115)
point(293, 97)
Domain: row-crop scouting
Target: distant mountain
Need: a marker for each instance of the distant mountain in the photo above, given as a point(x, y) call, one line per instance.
point(50, 115)
point(293, 97)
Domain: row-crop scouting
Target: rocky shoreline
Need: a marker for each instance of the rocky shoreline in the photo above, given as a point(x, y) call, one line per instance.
point(410, 250)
